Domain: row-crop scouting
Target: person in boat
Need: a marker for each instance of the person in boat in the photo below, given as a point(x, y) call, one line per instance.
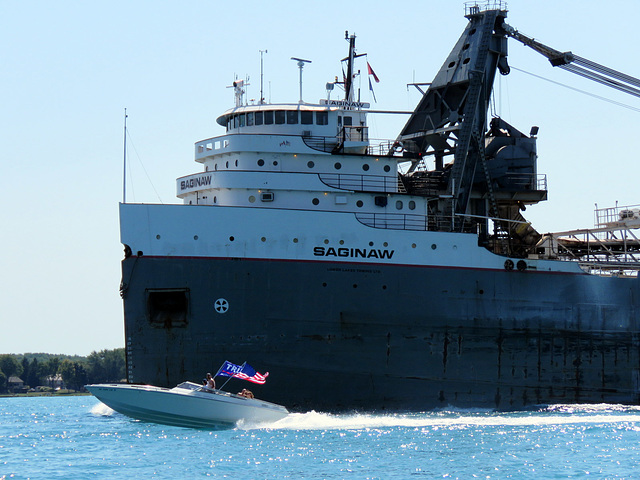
point(210, 382)
point(246, 393)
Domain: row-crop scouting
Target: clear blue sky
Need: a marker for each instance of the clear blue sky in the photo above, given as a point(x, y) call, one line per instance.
point(69, 69)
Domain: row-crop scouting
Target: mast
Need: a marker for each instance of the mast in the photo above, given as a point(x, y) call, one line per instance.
point(262, 52)
point(348, 81)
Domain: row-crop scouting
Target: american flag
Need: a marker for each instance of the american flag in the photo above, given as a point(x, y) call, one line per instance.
point(243, 372)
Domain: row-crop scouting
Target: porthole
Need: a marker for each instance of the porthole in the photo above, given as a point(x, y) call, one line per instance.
point(466, 60)
point(236, 163)
point(232, 238)
point(359, 204)
point(324, 284)
point(195, 237)
point(215, 167)
point(337, 165)
point(252, 199)
point(295, 240)
point(326, 241)
point(452, 64)
point(466, 46)
point(413, 245)
point(365, 167)
point(227, 165)
point(263, 239)
point(385, 244)
point(399, 204)
point(341, 242)
point(158, 237)
point(371, 244)
point(260, 162)
point(215, 199)
point(206, 168)
point(384, 287)
point(387, 168)
point(315, 201)
point(433, 246)
point(311, 164)
point(355, 285)
point(275, 163)
point(412, 205)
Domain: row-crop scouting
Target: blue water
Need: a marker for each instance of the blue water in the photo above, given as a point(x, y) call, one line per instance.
point(78, 437)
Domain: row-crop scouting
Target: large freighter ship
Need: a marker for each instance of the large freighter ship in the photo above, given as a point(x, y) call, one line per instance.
point(373, 274)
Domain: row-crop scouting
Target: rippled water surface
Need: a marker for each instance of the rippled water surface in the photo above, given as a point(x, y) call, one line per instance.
point(78, 437)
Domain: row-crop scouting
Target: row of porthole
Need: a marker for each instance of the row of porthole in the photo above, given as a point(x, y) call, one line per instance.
point(311, 164)
point(360, 204)
point(215, 166)
point(341, 242)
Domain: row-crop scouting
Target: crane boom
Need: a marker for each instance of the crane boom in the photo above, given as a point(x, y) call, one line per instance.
point(579, 65)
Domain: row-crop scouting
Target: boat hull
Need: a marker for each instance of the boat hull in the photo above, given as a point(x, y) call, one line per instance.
point(343, 336)
point(185, 408)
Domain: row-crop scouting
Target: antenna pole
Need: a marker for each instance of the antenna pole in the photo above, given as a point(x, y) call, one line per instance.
point(262, 52)
point(124, 175)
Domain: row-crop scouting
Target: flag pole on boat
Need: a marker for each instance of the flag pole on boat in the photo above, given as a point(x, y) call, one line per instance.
point(124, 174)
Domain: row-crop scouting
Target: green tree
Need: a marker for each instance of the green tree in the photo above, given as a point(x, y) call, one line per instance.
point(50, 369)
point(10, 365)
point(106, 366)
point(73, 374)
point(3, 382)
point(33, 378)
point(25, 371)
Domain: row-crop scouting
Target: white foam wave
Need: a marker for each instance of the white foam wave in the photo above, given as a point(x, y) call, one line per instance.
point(101, 409)
point(554, 415)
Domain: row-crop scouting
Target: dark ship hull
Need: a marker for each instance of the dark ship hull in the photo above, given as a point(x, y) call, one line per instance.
point(341, 336)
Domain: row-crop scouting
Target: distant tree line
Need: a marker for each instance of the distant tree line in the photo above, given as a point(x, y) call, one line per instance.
point(41, 369)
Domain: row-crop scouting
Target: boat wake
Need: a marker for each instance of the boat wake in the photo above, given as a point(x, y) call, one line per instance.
point(100, 409)
point(458, 418)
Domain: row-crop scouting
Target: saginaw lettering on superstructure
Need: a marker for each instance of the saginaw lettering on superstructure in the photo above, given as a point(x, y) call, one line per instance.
point(344, 103)
point(353, 252)
point(200, 181)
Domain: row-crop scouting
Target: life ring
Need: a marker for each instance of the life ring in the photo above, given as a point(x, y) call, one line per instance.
point(508, 265)
point(522, 265)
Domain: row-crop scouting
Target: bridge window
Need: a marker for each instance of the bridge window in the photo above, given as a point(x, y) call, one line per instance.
point(348, 121)
point(241, 120)
point(249, 119)
point(292, 117)
point(268, 118)
point(258, 118)
point(235, 121)
point(412, 205)
point(306, 118)
point(279, 114)
point(322, 118)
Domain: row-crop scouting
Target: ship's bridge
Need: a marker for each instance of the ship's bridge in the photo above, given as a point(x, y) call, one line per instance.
point(324, 126)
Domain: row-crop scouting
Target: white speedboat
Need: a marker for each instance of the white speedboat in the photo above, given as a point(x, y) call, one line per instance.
point(186, 405)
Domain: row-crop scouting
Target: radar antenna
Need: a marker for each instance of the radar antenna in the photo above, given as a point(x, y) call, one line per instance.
point(301, 63)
